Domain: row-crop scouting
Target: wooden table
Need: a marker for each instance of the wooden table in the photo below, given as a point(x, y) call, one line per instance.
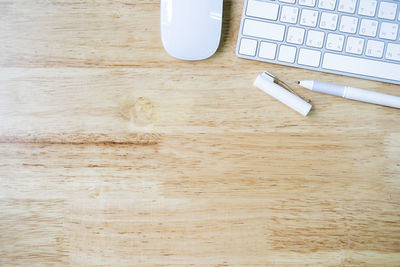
point(114, 153)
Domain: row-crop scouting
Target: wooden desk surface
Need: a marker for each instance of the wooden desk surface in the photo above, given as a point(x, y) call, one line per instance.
point(114, 153)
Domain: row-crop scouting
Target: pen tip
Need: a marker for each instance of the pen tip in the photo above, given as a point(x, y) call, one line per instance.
point(298, 82)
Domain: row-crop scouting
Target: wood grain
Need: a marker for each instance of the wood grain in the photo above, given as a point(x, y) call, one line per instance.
point(114, 153)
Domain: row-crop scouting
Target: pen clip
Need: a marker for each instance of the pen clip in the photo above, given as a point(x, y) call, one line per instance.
point(285, 85)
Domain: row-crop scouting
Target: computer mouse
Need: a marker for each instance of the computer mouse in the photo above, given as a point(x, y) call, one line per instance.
point(191, 29)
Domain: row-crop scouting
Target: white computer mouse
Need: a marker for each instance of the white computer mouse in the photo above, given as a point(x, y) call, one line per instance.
point(191, 29)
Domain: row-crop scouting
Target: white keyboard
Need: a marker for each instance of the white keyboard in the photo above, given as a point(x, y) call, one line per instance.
point(359, 38)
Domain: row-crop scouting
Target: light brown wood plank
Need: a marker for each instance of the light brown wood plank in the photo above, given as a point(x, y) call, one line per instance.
point(112, 153)
point(132, 203)
point(48, 102)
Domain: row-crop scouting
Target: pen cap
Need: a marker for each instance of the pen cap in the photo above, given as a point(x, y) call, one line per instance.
point(266, 84)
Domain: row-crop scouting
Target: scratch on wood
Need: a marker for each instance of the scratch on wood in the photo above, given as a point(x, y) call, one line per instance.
point(81, 139)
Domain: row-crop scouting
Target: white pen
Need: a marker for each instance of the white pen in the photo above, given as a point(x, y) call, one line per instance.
point(352, 93)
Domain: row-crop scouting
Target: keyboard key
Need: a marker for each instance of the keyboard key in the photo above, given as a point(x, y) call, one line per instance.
point(348, 6)
point(328, 21)
point(348, 24)
point(334, 42)
point(327, 4)
point(309, 17)
point(368, 27)
point(289, 14)
point(295, 35)
point(361, 66)
point(374, 48)
point(267, 50)
point(367, 7)
point(248, 47)
point(309, 57)
point(263, 30)
point(315, 38)
point(354, 45)
point(288, 1)
point(263, 10)
point(387, 10)
point(287, 53)
point(310, 3)
point(393, 52)
point(388, 31)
